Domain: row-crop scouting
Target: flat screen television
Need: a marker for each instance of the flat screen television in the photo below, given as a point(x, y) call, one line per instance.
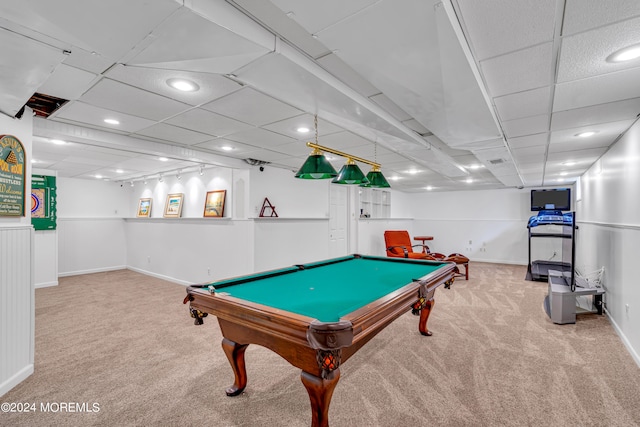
point(556, 199)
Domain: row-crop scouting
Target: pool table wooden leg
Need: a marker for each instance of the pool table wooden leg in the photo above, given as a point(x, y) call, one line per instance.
point(235, 354)
point(424, 316)
point(320, 392)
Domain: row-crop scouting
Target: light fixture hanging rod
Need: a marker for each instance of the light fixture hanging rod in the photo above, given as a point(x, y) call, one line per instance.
point(342, 154)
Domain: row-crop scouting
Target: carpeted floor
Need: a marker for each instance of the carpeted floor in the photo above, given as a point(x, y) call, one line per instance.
point(123, 345)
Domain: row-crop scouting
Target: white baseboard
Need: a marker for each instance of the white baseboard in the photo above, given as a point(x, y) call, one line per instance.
point(20, 376)
point(624, 339)
point(46, 284)
point(160, 276)
point(496, 261)
point(94, 270)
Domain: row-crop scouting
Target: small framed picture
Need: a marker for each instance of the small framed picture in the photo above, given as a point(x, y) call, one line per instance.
point(214, 203)
point(173, 206)
point(144, 208)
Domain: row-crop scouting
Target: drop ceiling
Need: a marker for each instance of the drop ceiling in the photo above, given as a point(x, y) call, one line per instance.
point(447, 95)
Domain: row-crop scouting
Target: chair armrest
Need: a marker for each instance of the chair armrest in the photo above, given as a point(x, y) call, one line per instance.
point(404, 249)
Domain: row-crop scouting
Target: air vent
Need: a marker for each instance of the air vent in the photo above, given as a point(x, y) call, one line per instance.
point(496, 161)
point(255, 162)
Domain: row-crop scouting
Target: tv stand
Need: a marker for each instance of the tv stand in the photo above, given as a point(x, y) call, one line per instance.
point(560, 302)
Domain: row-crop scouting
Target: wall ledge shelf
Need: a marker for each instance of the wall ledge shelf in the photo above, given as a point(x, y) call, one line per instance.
point(279, 218)
point(385, 219)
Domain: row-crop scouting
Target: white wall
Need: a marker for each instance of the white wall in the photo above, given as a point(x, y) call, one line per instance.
point(488, 226)
point(45, 248)
point(90, 225)
point(17, 313)
point(608, 215)
point(292, 197)
point(88, 198)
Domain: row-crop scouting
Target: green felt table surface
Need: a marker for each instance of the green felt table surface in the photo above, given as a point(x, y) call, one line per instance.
point(327, 292)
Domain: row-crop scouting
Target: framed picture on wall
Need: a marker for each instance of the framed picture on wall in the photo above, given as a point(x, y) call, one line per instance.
point(144, 208)
point(173, 206)
point(214, 203)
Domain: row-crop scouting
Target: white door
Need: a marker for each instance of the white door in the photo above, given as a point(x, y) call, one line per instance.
point(338, 220)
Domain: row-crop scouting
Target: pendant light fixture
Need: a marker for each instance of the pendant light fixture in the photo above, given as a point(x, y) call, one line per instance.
point(375, 177)
point(350, 174)
point(316, 166)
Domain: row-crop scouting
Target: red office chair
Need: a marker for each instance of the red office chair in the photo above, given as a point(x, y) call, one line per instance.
point(398, 245)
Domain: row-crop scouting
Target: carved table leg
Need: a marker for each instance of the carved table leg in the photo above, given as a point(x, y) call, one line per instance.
point(320, 392)
point(424, 316)
point(235, 354)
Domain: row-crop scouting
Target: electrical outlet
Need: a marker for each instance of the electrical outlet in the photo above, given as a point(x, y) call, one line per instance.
point(208, 271)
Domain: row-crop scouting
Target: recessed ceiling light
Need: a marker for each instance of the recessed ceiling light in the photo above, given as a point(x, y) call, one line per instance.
point(625, 54)
point(303, 129)
point(58, 141)
point(99, 176)
point(112, 121)
point(183, 85)
point(569, 163)
point(413, 171)
point(163, 159)
point(119, 171)
point(469, 180)
point(226, 148)
point(428, 188)
point(585, 134)
point(394, 178)
point(475, 166)
point(563, 173)
point(34, 161)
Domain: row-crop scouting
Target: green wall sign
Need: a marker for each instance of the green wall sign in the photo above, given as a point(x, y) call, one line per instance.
point(43, 202)
point(12, 176)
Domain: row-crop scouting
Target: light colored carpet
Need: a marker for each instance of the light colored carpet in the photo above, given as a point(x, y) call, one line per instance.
point(126, 342)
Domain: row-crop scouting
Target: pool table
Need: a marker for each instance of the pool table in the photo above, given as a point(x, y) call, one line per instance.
point(317, 315)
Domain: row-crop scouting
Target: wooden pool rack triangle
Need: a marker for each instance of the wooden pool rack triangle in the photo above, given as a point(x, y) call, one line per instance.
point(267, 205)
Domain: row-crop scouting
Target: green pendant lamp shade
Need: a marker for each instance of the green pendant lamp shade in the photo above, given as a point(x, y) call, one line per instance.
point(376, 179)
point(316, 167)
point(350, 174)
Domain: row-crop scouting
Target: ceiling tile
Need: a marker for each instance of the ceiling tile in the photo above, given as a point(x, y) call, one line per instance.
point(188, 41)
point(529, 103)
point(208, 122)
point(237, 148)
point(500, 26)
point(591, 154)
point(94, 32)
point(526, 126)
point(260, 138)
point(175, 134)
point(603, 113)
point(315, 16)
point(67, 82)
point(597, 90)
point(584, 55)
point(606, 133)
point(519, 71)
point(289, 127)
point(252, 107)
point(211, 86)
point(116, 96)
point(79, 112)
point(539, 139)
point(582, 15)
